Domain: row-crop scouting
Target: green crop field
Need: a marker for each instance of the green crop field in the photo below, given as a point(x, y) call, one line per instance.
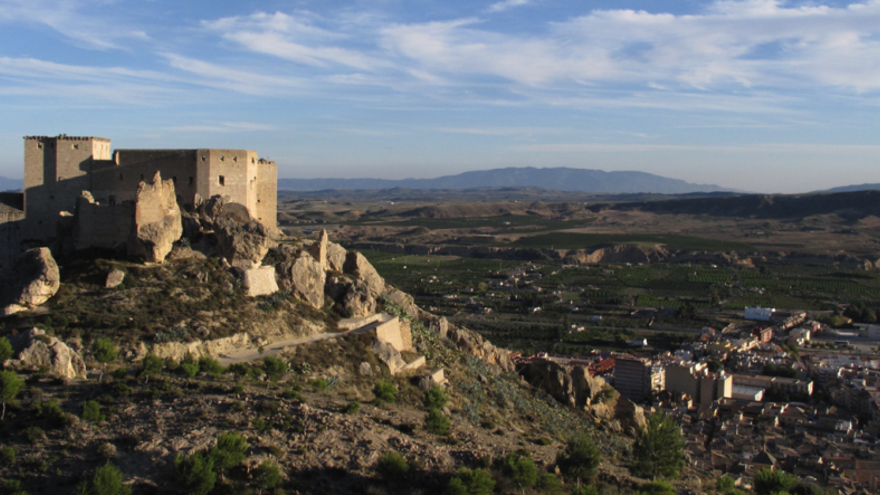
point(504, 222)
point(568, 240)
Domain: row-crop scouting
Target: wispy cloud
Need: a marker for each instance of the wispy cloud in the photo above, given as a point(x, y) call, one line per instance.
point(224, 127)
point(507, 4)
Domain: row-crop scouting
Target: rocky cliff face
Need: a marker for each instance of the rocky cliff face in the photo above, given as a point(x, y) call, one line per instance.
point(34, 350)
point(157, 220)
point(29, 281)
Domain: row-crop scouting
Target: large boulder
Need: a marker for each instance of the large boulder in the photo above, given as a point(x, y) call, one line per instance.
point(157, 220)
point(403, 300)
point(358, 266)
point(260, 281)
point(307, 279)
point(34, 350)
point(474, 344)
point(336, 255)
point(244, 245)
point(29, 281)
point(389, 355)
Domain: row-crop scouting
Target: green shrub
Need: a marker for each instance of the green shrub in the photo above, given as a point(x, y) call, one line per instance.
point(550, 483)
point(435, 398)
point(34, 434)
point(12, 487)
point(104, 350)
point(120, 373)
point(318, 384)
point(436, 422)
point(471, 482)
point(292, 395)
point(210, 366)
point(659, 448)
point(519, 468)
point(240, 369)
point(52, 413)
point(268, 475)
point(585, 490)
point(188, 366)
point(7, 456)
point(385, 392)
point(5, 349)
point(579, 459)
point(195, 473)
point(274, 368)
point(107, 481)
point(10, 386)
point(151, 366)
point(92, 412)
point(769, 481)
point(658, 487)
point(392, 466)
point(352, 407)
point(229, 451)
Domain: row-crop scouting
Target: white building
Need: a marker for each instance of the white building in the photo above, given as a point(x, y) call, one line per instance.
point(759, 313)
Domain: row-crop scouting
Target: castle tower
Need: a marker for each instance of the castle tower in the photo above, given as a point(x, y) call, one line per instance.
point(56, 170)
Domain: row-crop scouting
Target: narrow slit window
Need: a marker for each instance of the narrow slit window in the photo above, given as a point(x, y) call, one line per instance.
point(174, 180)
point(120, 177)
point(191, 181)
point(222, 180)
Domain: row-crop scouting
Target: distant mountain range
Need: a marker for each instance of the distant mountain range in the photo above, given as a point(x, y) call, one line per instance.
point(860, 187)
point(560, 179)
point(11, 184)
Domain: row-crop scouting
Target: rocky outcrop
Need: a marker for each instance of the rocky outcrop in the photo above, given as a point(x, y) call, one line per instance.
point(389, 355)
point(575, 387)
point(623, 253)
point(474, 344)
point(34, 350)
point(358, 266)
point(244, 245)
point(358, 300)
point(307, 279)
point(157, 220)
point(318, 249)
point(114, 278)
point(210, 209)
point(403, 300)
point(178, 350)
point(260, 281)
point(336, 255)
point(30, 280)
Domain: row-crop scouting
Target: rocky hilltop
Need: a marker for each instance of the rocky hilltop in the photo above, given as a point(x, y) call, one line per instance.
point(299, 348)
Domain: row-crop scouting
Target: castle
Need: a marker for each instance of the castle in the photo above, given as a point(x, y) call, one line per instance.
point(57, 169)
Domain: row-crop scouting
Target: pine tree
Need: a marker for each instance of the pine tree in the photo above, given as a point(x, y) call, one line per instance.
point(659, 448)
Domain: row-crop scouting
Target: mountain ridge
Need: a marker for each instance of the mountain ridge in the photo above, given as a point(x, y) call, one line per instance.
point(557, 178)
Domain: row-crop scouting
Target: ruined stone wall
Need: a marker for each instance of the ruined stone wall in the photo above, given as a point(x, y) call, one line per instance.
point(120, 177)
point(267, 194)
point(56, 170)
point(102, 225)
point(11, 230)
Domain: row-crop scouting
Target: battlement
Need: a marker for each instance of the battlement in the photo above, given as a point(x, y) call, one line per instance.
point(65, 137)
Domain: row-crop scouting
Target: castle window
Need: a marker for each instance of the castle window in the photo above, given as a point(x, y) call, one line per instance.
point(120, 176)
point(112, 200)
point(235, 158)
point(221, 158)
point(222, 180)
point(174, 180)
point(40, 145)
point(253, 160)
point(76, 146)
point(142, 176)
point(191, 181)
point(204, 157)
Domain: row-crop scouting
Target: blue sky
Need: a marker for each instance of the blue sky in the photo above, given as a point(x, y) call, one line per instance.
point(759, 95)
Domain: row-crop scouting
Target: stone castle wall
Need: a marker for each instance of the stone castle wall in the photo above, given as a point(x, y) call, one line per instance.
point(58, 169)
point(102, 225)
point(11, 226)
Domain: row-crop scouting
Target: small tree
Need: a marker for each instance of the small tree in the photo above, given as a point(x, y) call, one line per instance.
point(105, 352)
point(107, 481)
point(268, 475)
point(436, 422)
point(152, 365)
point(274, 367)
point(519, 468)
point(195, 473)
point(659, 448)
point(385, 392)
point(189, 367)
point(579, 459)
point(471, 482)
point(5, 350)
point(769, 481)
point(10, 386)
point(211, 366)
point(435, 398)
point(229, 451)
point(92, 412)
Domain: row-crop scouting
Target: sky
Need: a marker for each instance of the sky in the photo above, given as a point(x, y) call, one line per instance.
point(756, 95)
